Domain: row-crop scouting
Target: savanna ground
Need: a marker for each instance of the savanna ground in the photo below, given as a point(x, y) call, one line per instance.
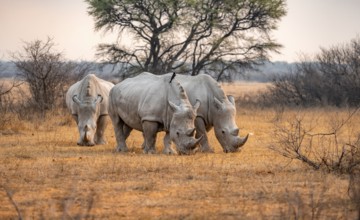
point(44, 174)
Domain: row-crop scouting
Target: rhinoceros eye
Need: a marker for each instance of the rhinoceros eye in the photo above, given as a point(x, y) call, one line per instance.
point(177, 133)
point(223, 131)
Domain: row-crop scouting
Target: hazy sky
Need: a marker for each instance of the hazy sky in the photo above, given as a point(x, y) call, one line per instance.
point(308, 25)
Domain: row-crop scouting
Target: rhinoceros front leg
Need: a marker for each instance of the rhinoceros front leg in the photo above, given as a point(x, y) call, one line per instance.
point(150, 130)
point(100, 130)
point(167, 145)
point(76, 118)
point(118, 125)
point(201, 131)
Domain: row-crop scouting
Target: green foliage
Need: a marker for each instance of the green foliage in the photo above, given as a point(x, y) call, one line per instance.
point(189, 34)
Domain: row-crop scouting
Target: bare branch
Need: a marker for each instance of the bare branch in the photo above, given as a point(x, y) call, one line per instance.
point(188, 35)
point(10, 197)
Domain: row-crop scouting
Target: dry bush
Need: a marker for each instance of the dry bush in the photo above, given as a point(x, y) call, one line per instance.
point(335, 149)
point(332, 78)
point(46, 73)
point(7, 91)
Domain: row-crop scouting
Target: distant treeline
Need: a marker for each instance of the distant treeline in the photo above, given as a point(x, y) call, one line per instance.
point(265, 72)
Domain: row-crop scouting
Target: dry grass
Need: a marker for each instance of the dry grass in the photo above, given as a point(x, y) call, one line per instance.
point(241, 88)
point(47, 175)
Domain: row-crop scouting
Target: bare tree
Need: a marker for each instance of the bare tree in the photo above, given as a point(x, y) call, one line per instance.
point(188, 36)
point(45, 71)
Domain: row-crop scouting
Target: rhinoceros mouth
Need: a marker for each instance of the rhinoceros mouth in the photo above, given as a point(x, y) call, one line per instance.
point(187, 152)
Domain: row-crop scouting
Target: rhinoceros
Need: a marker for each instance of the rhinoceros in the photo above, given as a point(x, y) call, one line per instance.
point(87, 101)
point(217, 110)
point(151, 103)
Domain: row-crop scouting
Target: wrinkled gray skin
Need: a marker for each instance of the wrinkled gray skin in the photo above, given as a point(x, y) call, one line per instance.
point(217, 110)
point(150, 104)
point(87, 101)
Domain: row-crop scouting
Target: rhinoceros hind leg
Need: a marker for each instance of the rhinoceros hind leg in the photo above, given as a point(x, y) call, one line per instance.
point(127, 130)
point(150, 130)
point(167, 145)
point(100, 130)
point(201, 131)
point(118, 125)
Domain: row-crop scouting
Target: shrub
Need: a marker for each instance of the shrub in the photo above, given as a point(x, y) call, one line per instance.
point(331, 78)
point(337, 149)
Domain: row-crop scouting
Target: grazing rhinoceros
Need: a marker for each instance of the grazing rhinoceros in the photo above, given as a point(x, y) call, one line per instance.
point(150, 104)
point(88, 102)
point(217, 110)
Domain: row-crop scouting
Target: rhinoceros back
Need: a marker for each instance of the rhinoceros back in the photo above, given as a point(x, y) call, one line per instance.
point(88, 89)
point(203, 88)
point(142, 98)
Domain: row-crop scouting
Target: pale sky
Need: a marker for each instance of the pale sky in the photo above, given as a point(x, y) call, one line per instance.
point(308, 25)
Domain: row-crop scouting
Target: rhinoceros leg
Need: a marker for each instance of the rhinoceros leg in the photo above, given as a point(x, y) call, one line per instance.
point(150, 130)
point(201, 131)
point(118, 125)
point(127, 130)
point(100, 130)
point(167, 145)
point(75, 117)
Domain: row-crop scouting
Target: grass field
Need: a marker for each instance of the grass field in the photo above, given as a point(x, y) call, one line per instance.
point(44, 174)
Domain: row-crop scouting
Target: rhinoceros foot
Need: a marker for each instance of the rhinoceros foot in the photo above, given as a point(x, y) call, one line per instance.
point(149, 151)
point(100, 141)
point(206, 149)
point(122, 149)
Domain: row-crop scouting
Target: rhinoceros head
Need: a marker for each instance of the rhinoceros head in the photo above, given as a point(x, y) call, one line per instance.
point(182, 128)
point(226, 130)
point(86, 119)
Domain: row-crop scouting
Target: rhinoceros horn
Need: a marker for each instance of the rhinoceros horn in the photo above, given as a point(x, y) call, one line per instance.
point(190, 132)
point(196, 142)
point(242, 141)
point(182, 92)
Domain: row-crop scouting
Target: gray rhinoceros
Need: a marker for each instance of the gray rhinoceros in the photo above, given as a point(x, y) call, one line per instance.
point(217, 110)
point(150, 104)
point(87, 100)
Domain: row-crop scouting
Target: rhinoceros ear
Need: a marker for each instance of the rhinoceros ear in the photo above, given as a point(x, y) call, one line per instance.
point(231, 99)
point(197, 105)
point(99, 99)
point(218, 104)
point(174, 106)
point(76, 100)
